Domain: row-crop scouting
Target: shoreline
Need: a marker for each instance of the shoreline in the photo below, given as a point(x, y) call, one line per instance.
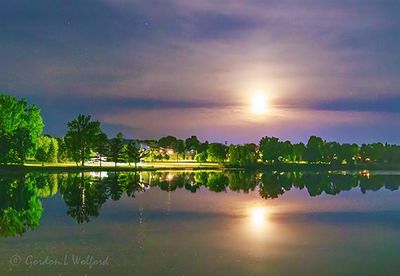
point(197, 166)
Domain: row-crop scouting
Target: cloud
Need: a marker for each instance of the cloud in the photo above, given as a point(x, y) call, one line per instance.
point(380, 103)
point(112, 56)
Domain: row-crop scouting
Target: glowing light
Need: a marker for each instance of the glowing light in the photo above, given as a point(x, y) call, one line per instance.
point(258, 217)
point(259, 103)
point(170, 177)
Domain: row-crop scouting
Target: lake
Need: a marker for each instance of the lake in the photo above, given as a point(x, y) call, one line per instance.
point(200, 223)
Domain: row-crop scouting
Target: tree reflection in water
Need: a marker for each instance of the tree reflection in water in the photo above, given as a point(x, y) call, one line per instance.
point(85, 193)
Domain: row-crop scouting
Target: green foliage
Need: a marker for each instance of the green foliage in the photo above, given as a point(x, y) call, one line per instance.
point(47, 149)
point(173, 143)
point(217, 182)
point(102, 145)
point(117, 149)
point(20, 127)
point(271, 149)
point(154, 154)
point(372, 152)
point(167, 142)
point(135, 153)
point(20, 209)
point(63, 154)
point(216, 152)
point(201, 157)
point(83, 199)
point(315, 149)
point(192, 143)
point(299, 152)
point(53, 151)
point(81, 137)
point(241, 155)
point(47, 184)
point(179, 146)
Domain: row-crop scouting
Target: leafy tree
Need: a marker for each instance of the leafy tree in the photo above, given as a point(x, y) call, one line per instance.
point(271, 149)
point(203, 147)
point(177, 145)
point(192, 143)
point(53, 151)
point(348, 152)
point(372, 152)
point(43, 147)
point(20, 127)
point(117, 150)
point(299, 152)
point(216, 152)
point(201, 157)
point(287, 151)
point(179, 148)
point(392, 154)
point(81, 137)
point(41, 155)
point(135, 153)
point(315, 149)
point(47, 149)
point(28, 132)
point(63, 154)
point(241, 155)
point(102, 145)
point(167, 142)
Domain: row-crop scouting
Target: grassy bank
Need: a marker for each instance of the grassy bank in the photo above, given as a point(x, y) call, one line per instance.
point(71, 167)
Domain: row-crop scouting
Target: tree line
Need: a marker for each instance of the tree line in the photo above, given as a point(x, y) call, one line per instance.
point(21, 138)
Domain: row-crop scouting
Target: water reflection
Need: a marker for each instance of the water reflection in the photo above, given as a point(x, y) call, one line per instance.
point(258, 217)
point(84, 194)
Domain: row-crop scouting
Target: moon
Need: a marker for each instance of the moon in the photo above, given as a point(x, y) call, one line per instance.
point(259, 103)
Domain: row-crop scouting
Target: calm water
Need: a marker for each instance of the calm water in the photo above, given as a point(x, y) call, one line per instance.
point(200, 223)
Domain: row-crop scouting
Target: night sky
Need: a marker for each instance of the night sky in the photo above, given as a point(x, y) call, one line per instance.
point(153, 68)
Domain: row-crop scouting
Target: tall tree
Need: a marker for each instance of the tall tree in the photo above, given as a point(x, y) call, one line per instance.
point(63, 154)
point(271, 148)
point(20, 127)
point(53, 151)
point(216, 152)
point(242, 155)
point(315, 149)
point(135, 153)
point(47, 149)
point(192, 143)
point(117, 148)
point(179, 148)
point(299, 152)
point(167, 142)
point(81, 137)
point(102, 145)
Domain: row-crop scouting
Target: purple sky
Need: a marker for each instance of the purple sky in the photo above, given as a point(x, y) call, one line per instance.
point(153, 68)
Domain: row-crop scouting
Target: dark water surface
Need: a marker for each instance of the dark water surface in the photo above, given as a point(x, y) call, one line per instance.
point(200, 223)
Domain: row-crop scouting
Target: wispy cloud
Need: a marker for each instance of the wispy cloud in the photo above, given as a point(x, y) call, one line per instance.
point(111, 56)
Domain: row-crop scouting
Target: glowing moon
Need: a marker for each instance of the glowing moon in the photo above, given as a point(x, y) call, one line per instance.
point(259, 103)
